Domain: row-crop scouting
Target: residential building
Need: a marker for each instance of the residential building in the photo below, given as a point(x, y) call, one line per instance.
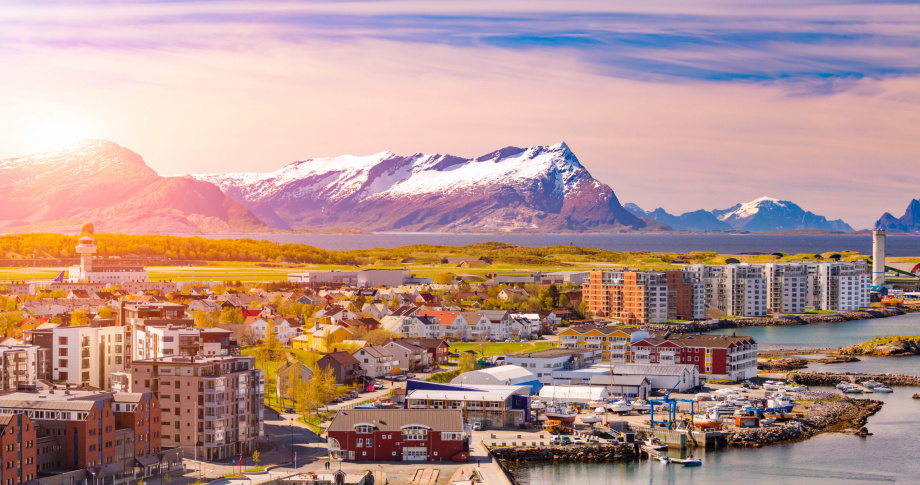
point(18, 452)
point(842, 286)
point(438, 349)
point(633, 297)
point(376, 361)
point(211, 406)
point(715, 356)
point(284, 329)
point(362, 278)
point(789, 287)
point(407, 356)
point(398, 435)
point(613, 342)
point(85, 355)
point(324, 338)
point(345, 367)
point(21, 364)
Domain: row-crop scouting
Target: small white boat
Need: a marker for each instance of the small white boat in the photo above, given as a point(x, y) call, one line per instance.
point(619, 407)
point(692, 462)
point(703, 396)
point(767, 421)
point(871, 383)
point(600, 410)
point(537, 405)
point(596, 404)
point(882, 388)
point(795, 388)
point(641, 405)
point(774, 385)
point(590, 419)
point(664, 459)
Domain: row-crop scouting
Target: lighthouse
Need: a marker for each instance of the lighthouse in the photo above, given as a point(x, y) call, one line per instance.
point(878, 257)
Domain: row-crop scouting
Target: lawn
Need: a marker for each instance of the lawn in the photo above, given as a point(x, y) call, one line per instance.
point(500, 348)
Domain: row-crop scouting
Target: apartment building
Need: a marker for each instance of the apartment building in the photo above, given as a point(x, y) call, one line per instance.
point(789, 288)
point(86, 355)
point(613, 343)
point(18, 451)
point(733, 289)
point(21, 364)
point(841, 286)
point(211, 406)
point(163, 339)
point(376, 361)
point(644, 297)
point(715, 356)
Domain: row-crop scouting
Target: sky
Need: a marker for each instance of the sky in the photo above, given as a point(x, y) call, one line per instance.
point(677, 104)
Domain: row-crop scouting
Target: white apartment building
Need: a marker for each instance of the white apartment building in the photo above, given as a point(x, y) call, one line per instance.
point(18, 364)
point(376, 361)
point(734, 289)
point(842, 286)
point(789, 288)
point(87, 355)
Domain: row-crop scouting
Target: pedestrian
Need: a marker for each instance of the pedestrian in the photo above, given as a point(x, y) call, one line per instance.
point(477, 462)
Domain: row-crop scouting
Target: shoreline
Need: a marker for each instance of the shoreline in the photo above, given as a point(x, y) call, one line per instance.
point(786, 320)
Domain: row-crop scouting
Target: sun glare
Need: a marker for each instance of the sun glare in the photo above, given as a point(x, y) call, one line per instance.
point(58, 131)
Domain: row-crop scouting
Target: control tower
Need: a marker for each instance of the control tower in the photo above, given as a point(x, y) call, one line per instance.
point(878, 257)
point(86, 247)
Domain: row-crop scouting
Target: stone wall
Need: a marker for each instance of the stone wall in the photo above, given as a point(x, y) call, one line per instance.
point(804, 319)
point(820, 417)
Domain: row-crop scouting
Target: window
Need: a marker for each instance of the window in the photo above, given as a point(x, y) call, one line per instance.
point(62, 352)
point(359, 443)
point(368, 442)
point(62, 363)
point(450, 436)
point(364, 429)
point(416, 433)
point(62, 340)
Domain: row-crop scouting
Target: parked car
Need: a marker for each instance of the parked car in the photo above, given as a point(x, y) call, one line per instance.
point(427, 370)
point(410, 375)
point(477, 426)
point(369, 388)
point(578, 441)
point(399, 378)
point(378, 385)
point(289, 410)
point(556, 440)
point(566, 440)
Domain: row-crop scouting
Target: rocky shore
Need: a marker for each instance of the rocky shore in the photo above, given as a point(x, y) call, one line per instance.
point(782, 365)
point(831, 379)
point(514, 457)
point(823, 416)
point(806, 319)
point(885, 347)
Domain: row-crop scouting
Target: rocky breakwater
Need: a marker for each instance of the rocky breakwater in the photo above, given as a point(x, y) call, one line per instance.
point(822, 416)
point(517, 456)
point(782, 365)
point(896, 346)
point(831, 379)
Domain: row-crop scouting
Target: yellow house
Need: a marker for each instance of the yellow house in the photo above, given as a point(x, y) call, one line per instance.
point(613, 342)
point(322, 338)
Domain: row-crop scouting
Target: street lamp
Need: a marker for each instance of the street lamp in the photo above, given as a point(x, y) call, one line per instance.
point(292, 443)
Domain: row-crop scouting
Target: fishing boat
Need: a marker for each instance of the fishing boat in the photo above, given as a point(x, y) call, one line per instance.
point(691, 462)
point(708, 420)
point(641, 405)
point(778, 403)
point(619, 407)
point(655, 444)
point(561, 412)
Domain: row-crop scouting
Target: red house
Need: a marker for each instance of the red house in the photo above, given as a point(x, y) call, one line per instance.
point(715, 356)
point(398, 435)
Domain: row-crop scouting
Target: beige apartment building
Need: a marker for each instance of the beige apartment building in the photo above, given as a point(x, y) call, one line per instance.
point(211, 406)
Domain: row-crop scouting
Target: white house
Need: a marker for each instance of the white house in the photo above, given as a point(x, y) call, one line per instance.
point(377, 361)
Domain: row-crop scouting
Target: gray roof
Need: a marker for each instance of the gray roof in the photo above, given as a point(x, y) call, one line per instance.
point(396, 419)
point(377, 352)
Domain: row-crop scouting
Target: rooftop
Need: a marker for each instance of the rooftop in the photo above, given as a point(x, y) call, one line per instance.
point(396, 419)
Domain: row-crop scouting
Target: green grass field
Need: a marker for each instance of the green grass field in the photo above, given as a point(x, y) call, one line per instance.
point(500, 348)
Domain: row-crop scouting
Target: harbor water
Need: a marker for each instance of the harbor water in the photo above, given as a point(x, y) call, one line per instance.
point(891, 455)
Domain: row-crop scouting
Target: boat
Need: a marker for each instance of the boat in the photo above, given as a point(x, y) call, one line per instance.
point(779, 403)
point(600, 410)
point(537, 405)
point(708, 420)
point(767, 421)
point(664, 459)
point(561, 412)
point(590, 419)
point(619, 407)
point(852, 390)
point(596, 404)
point(641, 405)
point(691, 462)
point(795, 388)
point(774, 385)
point(882, 388)
point(871, 384)
point(721, 409)
point(703, 396)
point(843, 385)
point(743, 402)
point(655, 444)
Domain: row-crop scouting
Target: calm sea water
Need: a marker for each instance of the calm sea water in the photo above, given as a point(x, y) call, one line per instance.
point(720, 243)
point(892, 455)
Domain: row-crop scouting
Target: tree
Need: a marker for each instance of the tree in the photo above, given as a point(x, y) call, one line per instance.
point(554, 294)
point(231, 316)
point(378, 336)
point(78, 317)
point(255, 456)
point(467, 362)
point(444, 278)
point(564, 301)
point(583, 307)
point(395, 371)
point(270, 342)
point(105, 312)
point(204, 319)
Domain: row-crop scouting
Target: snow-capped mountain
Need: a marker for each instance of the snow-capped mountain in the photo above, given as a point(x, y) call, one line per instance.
point(102, 182)
point(538, 188)
point(768, 214)
point(909, 222)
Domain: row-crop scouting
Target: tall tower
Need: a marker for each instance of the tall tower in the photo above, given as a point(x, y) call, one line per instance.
point(878, 257)
point(86, 248)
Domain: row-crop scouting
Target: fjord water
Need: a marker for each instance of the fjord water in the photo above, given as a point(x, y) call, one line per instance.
point(671, 243)
point(891, 455)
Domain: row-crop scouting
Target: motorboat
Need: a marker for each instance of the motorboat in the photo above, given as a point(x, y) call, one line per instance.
point(773, 385)
point(882, 388)
point(561, 412)
point(871, 384)
point(851, 389)
point(655, 444)
point(691, 462)
point(537, 405)
point(742, 402)
point(767, 421)
point(597, 404)
point(703, 396)
point(600, 410)
point(721, 409)
point(708, 420)
point(664, 459)
point(590, 419)
point(641, 405)
point(619, 407)
point(795, 388)
point(843, 385)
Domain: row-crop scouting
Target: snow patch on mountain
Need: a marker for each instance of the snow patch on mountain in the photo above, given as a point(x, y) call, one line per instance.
point(748, 209)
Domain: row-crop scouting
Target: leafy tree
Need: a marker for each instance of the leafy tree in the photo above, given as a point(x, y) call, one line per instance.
point(105, 312)
point(78, 317)
point(378, 336)
point(255, 457)
point(467, 362)
point(583, 307)
point(564, 301)
point(444, 278)
point(231, 316)
point(554, 294)
point(205, 319)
